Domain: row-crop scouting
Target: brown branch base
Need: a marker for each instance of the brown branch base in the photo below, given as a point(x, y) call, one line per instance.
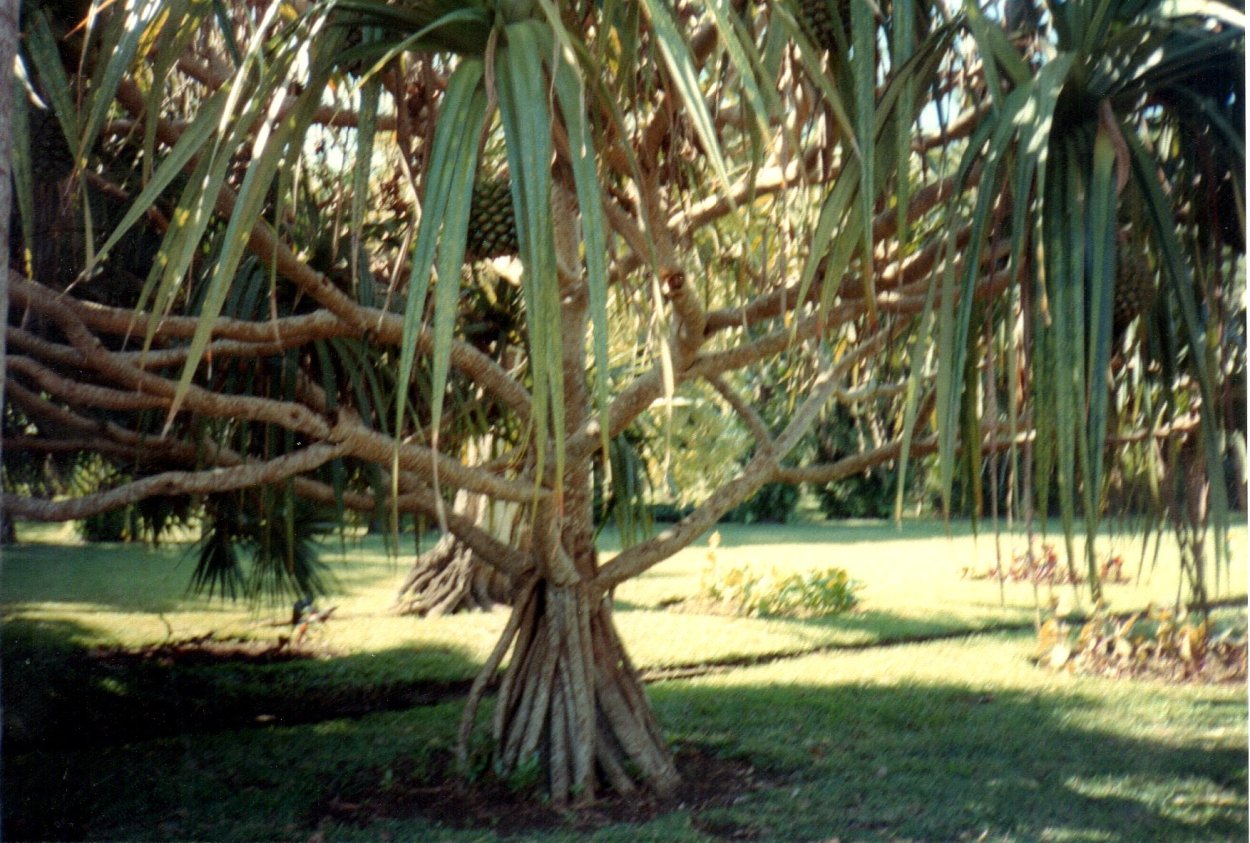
point(448, 579)
point(571, 704)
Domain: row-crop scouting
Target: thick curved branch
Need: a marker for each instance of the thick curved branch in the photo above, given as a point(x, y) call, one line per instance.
point(774, 304)
point(94, 435)
point(118, 442)
point(367, 444)
point(648, 387)
point(286, 330)
point(57, 354)
point(763, 467)
point(854, 464)
point(96, 357)
point(504, 558)
point(688, 333)
point(902, 302)
point(246, 338)
point(364, 441)
point(264, 243)
point(174, 483)
point(84, 394)
point(39, 445)
point(764, 182)
point(58, 417)
point(961, 127)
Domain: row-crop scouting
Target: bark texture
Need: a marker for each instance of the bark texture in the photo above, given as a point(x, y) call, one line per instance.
point(570, 703)
point(450, 577)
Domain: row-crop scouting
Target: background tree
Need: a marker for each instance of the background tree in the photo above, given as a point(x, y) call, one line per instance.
point(8, 53)
point(724, 184)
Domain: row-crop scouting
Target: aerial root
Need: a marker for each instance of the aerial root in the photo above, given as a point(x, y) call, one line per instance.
point(570, 702)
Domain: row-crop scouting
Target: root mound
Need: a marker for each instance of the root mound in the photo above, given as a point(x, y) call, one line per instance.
point(709, 781)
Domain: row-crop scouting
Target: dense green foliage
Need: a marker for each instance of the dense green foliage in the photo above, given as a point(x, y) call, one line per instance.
point(984, 310)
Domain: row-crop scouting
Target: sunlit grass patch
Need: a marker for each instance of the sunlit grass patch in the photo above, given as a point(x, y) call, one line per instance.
point(959, 738)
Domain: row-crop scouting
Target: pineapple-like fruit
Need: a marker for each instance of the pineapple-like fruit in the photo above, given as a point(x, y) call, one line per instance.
point(1135, 288)
point(822, 19)
point(492, 222)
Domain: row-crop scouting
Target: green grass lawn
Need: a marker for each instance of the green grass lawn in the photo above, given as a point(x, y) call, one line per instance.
point(961, 738)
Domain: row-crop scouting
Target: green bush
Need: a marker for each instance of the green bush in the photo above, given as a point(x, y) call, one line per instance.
point(279, 532)
point(774, 503)
point(811, 594)
point(840, 433)
point(150, 520)
point(869, 495)
point(113, 525)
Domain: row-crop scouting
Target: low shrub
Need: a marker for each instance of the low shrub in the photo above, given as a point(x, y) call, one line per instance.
point(774, 503)
point(817, 593)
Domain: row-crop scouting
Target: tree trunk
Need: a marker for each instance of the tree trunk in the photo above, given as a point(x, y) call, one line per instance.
point(8, 530)
point(571, 704)
point(8, 50)
point(1191, 491)
point(449, 577)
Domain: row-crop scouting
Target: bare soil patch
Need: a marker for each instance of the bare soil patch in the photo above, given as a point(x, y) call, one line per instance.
point(437, 794)
point(208, 650)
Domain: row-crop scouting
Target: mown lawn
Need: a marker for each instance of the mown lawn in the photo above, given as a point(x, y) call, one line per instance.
point(856, 734)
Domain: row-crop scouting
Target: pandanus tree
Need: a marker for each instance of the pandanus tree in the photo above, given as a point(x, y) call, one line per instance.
point(438, 259)
point(1110, 166)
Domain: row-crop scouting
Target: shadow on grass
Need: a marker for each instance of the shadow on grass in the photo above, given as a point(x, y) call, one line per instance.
point(58, 694)
point(938, 761)
point(960, 762)
point(131, 577)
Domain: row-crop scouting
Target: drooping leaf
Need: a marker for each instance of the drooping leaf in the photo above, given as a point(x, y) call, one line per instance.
point(460, 103)
point(526, 117)
point(1102, 201)
point(594, 229)
point(864, 64)
point(277, 145)
point(1178, 277)
point(676, 53)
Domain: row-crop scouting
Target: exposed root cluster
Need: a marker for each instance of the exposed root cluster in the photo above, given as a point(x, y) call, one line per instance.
point(570, 703)
point(448, 579)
